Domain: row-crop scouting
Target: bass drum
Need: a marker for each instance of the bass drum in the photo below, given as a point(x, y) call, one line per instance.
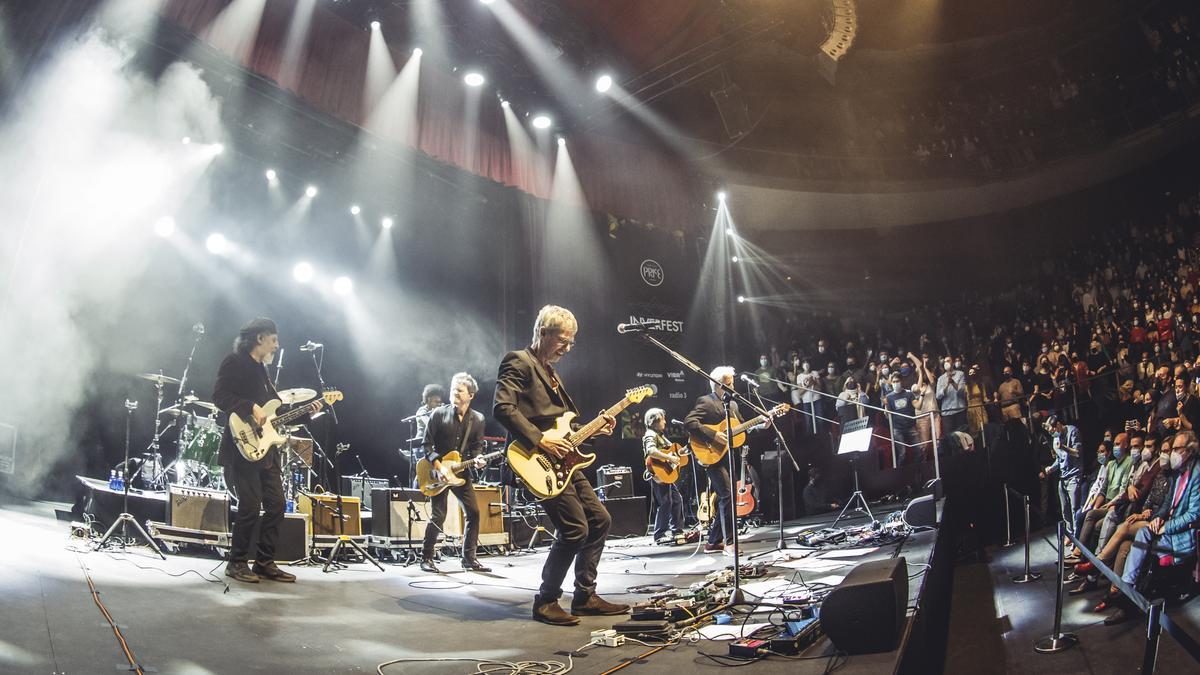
point(198, 467)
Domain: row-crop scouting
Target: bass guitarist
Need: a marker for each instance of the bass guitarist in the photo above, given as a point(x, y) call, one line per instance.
point(655, 446)
point(529, 398)
point(455, 427)
point(243, 387)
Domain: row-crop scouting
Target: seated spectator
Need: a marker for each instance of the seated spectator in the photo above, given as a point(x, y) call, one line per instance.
point(816, 495)
point(1115, 465)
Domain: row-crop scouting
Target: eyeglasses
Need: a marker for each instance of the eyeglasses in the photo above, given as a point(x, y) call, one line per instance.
point(565, 342)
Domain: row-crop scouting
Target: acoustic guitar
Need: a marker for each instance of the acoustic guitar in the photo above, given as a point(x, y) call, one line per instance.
point(710, 453)
point(745, 491)
point(662, 471)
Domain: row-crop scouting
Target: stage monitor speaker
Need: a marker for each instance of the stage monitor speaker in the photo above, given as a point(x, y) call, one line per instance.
point(628, 516)
point(391, 510)
point(197, 508)
point(361, 486)
point(865, 613)
point(921, 512)
point(323, 514)
point(614, 481)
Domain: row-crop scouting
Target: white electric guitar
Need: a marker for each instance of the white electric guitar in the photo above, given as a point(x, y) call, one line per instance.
point(254, 441)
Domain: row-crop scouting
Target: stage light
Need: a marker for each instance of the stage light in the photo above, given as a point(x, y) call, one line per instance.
point(561, 141)
point(302, 272)
point(487, 2)
point(216, 243)
point(343, 285)
point(387, 223)
point(354, 210)
point(310, 191)
point(218, 148)
point(604, 83)
point(374, 25)
point(741, 298)
point(271, 175)
point(186, 140)
point(504, 104)
point(729, 231)
point(721, 196)
point(473, 79)
point(417, 51)
point(165, 226)
point(541, 122)
point(735, 258)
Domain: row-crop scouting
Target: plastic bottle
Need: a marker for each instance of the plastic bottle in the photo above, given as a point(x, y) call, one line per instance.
point(121, 480)
point(112, 480)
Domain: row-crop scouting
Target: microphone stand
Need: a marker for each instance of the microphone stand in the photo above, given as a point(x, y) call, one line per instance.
point(124, 518)
point(729, 394)
point(278, 367)
point(781, 446)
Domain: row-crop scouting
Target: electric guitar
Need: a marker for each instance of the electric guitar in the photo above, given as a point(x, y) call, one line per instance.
point(255, 441)
point(745, 491)
point(545, 475)
point(662, 471)
point(710, 453)
point(434, 482)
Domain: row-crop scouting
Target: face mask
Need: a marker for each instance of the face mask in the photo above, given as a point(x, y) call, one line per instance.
point(1176, 460)
point(762, 362)
point(1164, 461)
point(958, 364)
point(1136, 456)
point(885, 370)
point(1118, 453)
point(831, 370)
point(1103, 459)
point(905, 370)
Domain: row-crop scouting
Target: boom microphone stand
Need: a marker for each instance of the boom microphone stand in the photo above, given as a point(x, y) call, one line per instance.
point(781, 447)
point(125, 517)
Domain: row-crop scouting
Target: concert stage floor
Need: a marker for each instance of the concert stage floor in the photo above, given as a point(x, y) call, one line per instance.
point(995, 623)
point(177, 619)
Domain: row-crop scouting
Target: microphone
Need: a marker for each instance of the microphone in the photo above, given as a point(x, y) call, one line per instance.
point(677, 422)
point(198, 329)
point(310, 346)
point(623, 328)
point(745, 378)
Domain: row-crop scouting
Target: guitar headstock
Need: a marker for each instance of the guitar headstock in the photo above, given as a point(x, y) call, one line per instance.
point(781, 409)
point(332, 396)
point(636, 394)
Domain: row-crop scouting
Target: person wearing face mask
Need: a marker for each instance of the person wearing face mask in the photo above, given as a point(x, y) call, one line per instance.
point(1187, 408)
point(1067, 448)
point(1115, 465)
point(1011, 394)
point(1168, 539)
point(764, 375)
point(925, 400)
point(952, 397)
point(1164, 404)
point(810, 388)
point(904, 429)
point(849, 402)
point(978, 397)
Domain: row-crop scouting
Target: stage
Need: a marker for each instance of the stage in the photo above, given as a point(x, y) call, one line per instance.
point(177, 616)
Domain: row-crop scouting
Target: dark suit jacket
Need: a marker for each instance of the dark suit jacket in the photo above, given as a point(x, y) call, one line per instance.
point(525, 403)
point(708, 410)
point(440, 436)
point(242, 382)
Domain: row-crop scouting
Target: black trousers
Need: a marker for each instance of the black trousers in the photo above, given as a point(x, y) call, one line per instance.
point(722, 529)
point(670, 509)
point(437, 517)
point(582, 525)
point(258, 486)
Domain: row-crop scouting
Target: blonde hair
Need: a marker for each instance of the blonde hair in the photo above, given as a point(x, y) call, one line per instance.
point(465, 378)
point(553, 318)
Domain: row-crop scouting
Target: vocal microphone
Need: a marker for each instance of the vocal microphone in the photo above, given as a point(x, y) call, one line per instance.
point(198, 329)
point(623, 328)
point(675, 421)
point(745, 378)
point(310, 346)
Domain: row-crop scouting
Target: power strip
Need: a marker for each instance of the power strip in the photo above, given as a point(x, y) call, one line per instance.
point(607, 638)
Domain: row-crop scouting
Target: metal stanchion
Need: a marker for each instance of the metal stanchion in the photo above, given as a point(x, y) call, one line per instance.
point(1057, 641)
point(892, 433)
point(1029, 574)
point(1153, 631)
point(1008, 521)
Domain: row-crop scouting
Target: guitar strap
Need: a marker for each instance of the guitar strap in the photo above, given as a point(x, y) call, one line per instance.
point(462, 443)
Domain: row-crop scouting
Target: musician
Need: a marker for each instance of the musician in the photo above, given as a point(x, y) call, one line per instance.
point(243, 387)
point(666, 495)
point(454, 427)
point(529, 398)
point(432, 397)
point(722, 533)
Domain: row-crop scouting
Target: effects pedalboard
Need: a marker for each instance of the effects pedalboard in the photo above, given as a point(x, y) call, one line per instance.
point(800, 635)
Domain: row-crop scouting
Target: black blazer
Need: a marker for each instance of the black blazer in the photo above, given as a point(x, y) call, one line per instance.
point(708, 410)
point(440, 436)
point(242, 382)
point(525, 403)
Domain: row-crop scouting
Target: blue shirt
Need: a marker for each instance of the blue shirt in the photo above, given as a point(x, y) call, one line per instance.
point(1066, 463)
point(901, 402)
point(953, 399)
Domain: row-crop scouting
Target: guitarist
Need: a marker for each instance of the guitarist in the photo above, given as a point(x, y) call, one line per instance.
point(242, 387)
point(722, 534)
point(529, 398)
point(455, 427)
point(666, 495)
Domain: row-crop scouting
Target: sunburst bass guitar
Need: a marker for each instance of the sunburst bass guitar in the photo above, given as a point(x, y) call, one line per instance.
point(545, 475)
point(254, 441)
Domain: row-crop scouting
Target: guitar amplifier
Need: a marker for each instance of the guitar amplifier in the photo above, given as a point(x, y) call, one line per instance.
point(292, 545)
point(491, 512)
point(629, 516)
point(360, 487)
point(197, 508)
point(614, 481)
point(322, 514)
point(391, 509)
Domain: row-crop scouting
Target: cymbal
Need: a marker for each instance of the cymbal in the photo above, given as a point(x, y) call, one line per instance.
point(204, 404)
point(173, 411)
point(159, 378)
point(299, 395)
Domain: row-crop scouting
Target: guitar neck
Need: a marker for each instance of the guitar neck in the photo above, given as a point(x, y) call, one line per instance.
point(588, 430)
point(298, 412)
point(750, 423)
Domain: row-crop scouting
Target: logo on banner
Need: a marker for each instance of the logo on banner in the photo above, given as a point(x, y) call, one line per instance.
point(652, 272)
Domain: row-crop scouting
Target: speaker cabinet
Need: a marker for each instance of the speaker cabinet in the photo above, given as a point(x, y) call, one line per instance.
point(614, 481)
point(322, 513)
point(629, 516)
point(491, 511)
point(921, 512)
point(865, 613)
point(197, 508)
point(360, 488)
point(292, 545)
point(393, 508)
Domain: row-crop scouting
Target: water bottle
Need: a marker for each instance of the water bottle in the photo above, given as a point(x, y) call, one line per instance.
point(121, 481)
point(112, 480)
point(291, 506)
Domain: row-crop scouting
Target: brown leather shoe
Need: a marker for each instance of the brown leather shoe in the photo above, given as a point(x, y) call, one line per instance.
point(241, 572)
point(552, 613)
point(271, 571)
point(597, 606)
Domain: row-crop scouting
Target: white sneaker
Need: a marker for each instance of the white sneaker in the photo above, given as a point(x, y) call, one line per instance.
point(727, 551)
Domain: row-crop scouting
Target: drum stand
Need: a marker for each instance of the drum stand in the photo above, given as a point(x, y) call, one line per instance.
point(124, 519)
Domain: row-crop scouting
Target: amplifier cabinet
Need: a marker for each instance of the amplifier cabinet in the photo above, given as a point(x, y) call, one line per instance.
point(391, 509)
point(322, 514)
point(197, 508)
point(629, 516)
point(294, 537)
point(360, 488)
point(491, 512)
point(614, 481)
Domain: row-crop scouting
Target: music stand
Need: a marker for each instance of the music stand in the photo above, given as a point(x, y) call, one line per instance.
point(856, 438)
